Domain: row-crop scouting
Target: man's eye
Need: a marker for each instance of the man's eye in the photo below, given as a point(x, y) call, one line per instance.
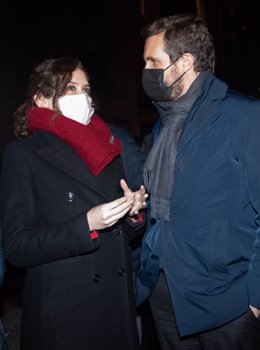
point(87, 90)
point(154, 62)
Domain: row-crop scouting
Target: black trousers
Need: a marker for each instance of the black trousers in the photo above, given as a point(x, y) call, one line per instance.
point(242, 333)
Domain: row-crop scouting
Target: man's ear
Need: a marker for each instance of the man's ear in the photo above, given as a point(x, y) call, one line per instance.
point(40, 100)
point(188, 60)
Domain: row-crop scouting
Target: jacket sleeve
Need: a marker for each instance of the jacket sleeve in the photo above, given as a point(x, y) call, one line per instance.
point(133, 162)
point(251, 166)
point(27, 240)
point(132, 157)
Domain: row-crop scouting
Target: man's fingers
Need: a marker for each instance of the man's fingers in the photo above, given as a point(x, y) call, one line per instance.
point(124, 186)
point(142, 189)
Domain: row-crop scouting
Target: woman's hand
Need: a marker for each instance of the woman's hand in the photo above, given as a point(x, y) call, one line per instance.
point(106, 215)
point(139, 197)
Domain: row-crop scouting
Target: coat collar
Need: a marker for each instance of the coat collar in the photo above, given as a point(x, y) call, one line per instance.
point(62, 156)
point(205, 110)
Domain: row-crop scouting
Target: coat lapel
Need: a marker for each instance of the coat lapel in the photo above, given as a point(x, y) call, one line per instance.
point(63, 157)
point(206, 110)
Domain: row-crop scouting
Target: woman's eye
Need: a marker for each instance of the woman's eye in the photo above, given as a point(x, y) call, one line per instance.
point(71, 88)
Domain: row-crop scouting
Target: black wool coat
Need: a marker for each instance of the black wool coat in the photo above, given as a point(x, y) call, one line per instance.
point(78, 292)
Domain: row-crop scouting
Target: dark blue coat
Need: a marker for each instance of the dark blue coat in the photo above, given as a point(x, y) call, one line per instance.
point(211, 246)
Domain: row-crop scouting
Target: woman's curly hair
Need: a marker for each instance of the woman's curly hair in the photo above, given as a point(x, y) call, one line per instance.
point(49, 79)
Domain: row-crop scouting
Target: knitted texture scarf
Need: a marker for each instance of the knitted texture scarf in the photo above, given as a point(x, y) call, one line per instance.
point(94, 143)
point(160, 163)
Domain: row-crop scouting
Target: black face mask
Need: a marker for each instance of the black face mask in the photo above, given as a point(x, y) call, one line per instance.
point(154, 86)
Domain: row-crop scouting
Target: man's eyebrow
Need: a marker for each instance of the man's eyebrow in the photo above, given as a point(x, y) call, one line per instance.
point(150, 58)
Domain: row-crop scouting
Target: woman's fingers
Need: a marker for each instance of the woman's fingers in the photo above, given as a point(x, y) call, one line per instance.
point(106, 215)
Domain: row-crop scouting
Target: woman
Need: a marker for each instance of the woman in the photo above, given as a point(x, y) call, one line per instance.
point(67, 215)
point(3, 338)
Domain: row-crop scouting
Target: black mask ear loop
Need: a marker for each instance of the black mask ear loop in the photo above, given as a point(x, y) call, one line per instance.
point(176, 81)
point(177, 59)
point(171, 64)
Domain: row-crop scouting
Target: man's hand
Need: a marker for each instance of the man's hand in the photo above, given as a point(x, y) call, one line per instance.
point(255, 311)
point(139, 197)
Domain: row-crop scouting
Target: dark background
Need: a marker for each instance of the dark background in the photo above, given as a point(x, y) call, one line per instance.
point(105, 35)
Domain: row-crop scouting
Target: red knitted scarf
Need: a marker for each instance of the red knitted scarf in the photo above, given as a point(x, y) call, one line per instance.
point(94, 143)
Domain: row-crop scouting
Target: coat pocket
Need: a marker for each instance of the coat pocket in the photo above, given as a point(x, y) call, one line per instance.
point(218, 254)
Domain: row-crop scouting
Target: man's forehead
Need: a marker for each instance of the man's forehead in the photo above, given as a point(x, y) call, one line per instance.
point(154, 46)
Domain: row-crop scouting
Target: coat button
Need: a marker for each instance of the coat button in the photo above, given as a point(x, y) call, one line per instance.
point(96, 278)
point(154, 257)
point(121, 271)
point(117, 231)
point(77, 251)
point(71, 196)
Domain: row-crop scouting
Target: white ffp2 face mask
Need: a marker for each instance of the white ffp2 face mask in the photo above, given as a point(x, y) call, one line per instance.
point(77, 107)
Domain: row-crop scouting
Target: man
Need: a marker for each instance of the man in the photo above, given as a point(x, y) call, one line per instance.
point(200, 261)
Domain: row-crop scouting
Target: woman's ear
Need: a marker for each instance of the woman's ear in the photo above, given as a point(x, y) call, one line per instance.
point(41, 101)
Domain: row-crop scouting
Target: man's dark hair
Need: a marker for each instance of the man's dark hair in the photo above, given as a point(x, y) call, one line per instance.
point(185, 33)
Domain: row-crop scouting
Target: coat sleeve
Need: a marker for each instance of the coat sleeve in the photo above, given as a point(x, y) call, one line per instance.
point(251, 166)
point(2, 260)
point(133, 161)
point(132, 157)
point(27, 241)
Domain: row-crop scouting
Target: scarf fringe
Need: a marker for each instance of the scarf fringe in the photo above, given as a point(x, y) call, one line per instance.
point(160, 208)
